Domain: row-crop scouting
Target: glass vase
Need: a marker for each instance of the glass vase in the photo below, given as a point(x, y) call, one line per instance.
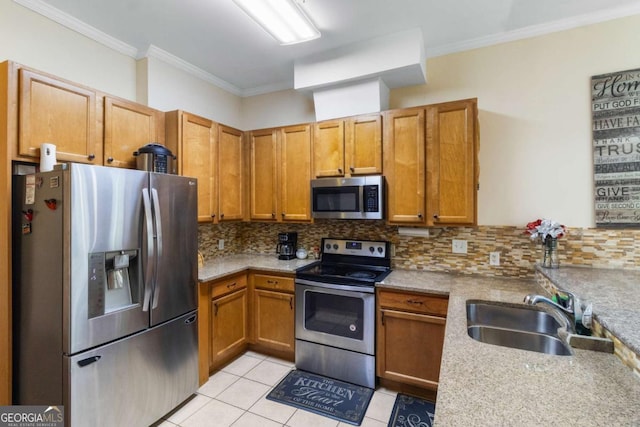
point(550, 254)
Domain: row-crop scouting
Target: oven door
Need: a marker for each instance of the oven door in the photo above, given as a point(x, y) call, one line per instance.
point(336, 315)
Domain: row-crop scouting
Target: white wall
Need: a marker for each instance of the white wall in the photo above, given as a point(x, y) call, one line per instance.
point(35, 41)
point(170, 88)
point(282, 108)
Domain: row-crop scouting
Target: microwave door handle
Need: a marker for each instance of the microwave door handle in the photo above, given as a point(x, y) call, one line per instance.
point(158, 254)
point(146, 203)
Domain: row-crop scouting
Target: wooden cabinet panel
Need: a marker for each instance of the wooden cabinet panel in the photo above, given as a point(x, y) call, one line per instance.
point(451, 163)
point(204, 327)
point(58, 112)
point(416, 302)
point(295, 161)
point(274, 319)
point(229, 320)
point(127, 127)
point(196, 158)
point(410, 347)
point(404, 154)
point(328, 148)
point(263, 168)
point(230, 174)
point(363, 145)
point(274, 283)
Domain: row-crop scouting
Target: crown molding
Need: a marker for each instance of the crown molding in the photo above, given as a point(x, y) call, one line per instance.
point(535, 30)
point(78, 26)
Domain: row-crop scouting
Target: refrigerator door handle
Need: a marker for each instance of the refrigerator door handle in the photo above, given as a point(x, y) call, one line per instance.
point(158, 255)
point(146, 201)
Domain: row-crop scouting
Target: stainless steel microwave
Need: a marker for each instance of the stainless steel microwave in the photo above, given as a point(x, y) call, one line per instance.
point(348, 198)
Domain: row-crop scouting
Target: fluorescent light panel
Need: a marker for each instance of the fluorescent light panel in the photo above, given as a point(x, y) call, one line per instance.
point(283, 19)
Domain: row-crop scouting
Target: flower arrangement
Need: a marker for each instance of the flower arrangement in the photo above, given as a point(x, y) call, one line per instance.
point(545, 228)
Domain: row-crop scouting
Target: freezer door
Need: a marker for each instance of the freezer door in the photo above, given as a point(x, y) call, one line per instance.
point(103, 254)
point(136, 380)
point(174, 200)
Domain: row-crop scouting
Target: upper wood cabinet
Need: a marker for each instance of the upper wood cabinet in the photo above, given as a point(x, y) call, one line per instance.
point(347, 147)
point(193, 138)
point(404, 157)
point(430, 162)
point(59, 112)
point(127, 127)
point(263, 165)
point(280, 171)
point(295, 173)
point(452, 171)
point(230, 174)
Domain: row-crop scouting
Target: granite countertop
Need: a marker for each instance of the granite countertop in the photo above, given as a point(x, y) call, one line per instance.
point(482, 384)
point(615, 295)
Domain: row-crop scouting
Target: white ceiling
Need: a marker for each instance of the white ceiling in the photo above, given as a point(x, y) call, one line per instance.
point(216, 39)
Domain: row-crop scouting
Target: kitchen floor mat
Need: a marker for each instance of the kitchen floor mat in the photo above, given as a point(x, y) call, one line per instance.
point(324, 396)
point(411, 411)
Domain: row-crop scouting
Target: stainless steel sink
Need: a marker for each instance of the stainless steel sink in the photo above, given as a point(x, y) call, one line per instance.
point(516, 326)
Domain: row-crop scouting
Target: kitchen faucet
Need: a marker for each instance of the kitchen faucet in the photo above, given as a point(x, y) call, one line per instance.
point(568, 312)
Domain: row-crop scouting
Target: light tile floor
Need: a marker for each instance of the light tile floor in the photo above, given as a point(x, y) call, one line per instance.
point(236, 396)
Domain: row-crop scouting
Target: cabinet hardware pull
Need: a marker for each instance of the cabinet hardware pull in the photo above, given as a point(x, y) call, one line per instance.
point(231, 285)
point(411, 301)
point(110, 160)
point(339, 170)
point(91, 156)
point(272, 282)
point(215, 309)
point(273, 214)
point(419, 214)
point(213, 215)
point(221, 215)
point(382, 318)
point(291, 302)
point(283, 214)
point(352, 169)
point(435, 216)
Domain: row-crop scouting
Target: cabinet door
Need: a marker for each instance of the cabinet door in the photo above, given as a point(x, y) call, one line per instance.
point(264, 183)
point(274, 320)
point(127, 127)
point(230, 174)
point(328, 148)
point(363, 145)
point(295, 173)
point(197, 160)
point(404, 151)
point(60, 113)
point(451, 163)
point(228, 326)
point(410, 347)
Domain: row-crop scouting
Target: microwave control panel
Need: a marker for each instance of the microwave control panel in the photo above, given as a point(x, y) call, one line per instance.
point(370, 195)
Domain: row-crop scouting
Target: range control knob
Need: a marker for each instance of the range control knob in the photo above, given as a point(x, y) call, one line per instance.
point(371, 249)
point(335, 246)
point(328, 246)
point(380, 249)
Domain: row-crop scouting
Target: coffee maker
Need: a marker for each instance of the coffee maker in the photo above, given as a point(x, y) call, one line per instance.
point(287, 244)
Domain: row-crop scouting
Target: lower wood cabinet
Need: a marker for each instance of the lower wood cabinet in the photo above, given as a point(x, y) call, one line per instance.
point(410, 335)
point(273, 312)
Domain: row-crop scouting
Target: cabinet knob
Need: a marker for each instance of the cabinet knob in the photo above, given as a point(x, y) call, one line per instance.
point(339, 170)
point(419, 214)
point(110, 160)
point(91, 156)
point(221, 215)
point(213, 215)
point(273, 214)
point(283, 214)
point(435, 216)
point(352, 169)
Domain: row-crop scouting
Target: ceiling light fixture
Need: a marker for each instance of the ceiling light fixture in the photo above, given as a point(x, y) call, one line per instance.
point(283, 19)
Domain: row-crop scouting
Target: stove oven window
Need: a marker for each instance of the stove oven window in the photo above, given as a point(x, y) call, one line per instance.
point(334, 314)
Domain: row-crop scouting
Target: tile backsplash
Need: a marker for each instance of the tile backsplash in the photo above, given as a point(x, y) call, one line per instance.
point(604, 248)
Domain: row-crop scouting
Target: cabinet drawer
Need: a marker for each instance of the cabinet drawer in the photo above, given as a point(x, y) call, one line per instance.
point(276, 283)
point(230, 284)
point(415, 302)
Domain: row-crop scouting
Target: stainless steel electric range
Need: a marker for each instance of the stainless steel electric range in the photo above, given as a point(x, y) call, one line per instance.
point(335, 309)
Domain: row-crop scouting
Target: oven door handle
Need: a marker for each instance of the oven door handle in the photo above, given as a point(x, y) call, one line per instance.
point(333, 286)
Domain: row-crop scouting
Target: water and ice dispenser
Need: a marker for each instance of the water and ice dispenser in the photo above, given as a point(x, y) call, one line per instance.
point(114, 281)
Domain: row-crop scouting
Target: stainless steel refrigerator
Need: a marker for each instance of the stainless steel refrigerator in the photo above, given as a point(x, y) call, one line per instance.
point(105, 267)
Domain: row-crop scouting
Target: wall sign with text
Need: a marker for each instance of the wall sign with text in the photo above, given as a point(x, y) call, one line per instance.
point(615, 113)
